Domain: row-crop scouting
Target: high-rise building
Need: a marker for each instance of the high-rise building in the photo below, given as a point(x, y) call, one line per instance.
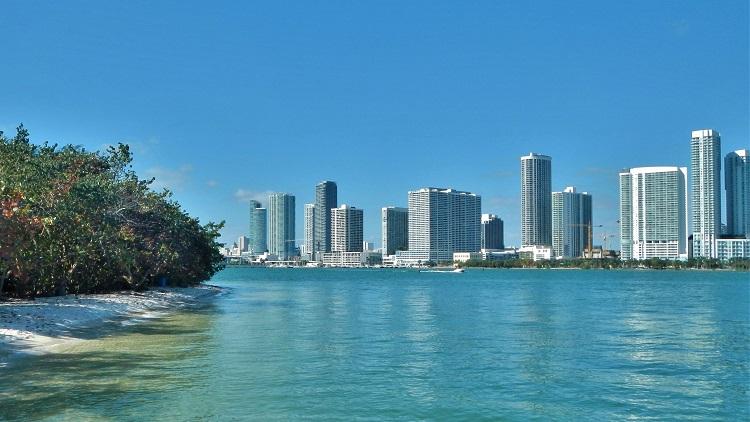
point(257, 240)
point(325, 200)
point(705, 191)
point(281, 225)
point(536, 200)
point(492, 232)
point(571, 222)
point(395, 229)
point(653, 213)
point(737, 185)
point(242, 243)
point(346, 229)
point(309, 230)
point(441, 222)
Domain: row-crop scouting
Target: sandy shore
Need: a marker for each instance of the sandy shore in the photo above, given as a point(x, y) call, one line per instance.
point(41, 325)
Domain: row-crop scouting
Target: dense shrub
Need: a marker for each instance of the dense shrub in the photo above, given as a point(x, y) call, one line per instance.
point(73, 221)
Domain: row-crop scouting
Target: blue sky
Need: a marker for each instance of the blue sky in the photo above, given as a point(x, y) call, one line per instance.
point(223, 102)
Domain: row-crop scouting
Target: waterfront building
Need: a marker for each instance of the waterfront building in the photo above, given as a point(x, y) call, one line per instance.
point(395, 229)
point(536, 200)
point(705, 191)
point(653, 213)
point(309, 241)
point(535, 252)
point(730, 248)
point(491, 235)
point(351, 259)
point(257, 239)
point(737, 186)
point(571, 223)
point(281, 225)
point(325, 200)
point(346, 229)
point(441, 222)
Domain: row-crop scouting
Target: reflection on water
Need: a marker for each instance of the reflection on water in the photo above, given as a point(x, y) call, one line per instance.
point(483, 345)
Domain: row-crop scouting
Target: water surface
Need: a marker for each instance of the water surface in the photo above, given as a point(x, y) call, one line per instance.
point(394, 344)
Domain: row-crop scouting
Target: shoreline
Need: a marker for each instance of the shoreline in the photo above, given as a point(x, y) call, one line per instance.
point(34, 327)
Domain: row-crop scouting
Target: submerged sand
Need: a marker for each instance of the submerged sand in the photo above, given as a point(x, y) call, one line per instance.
point(41, 325)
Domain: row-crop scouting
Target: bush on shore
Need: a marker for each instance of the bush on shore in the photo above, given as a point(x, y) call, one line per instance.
point(73, 221)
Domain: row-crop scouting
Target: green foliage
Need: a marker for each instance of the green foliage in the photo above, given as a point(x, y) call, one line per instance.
point(73, 221)
point(736, 264)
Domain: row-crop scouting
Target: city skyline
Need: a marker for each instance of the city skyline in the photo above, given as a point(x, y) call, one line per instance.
point(381, 98)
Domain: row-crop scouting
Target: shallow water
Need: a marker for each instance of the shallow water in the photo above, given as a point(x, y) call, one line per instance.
point(392, 344)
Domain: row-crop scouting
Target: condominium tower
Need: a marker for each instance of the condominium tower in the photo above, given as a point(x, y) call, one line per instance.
point(737, 185)
point(395, 229)
point(571, 222)
point(536, 200)
point(653, 213)
point(441, 222)
point(346, 229)
point(281, 225)
point(325, 200)
point(309, 241)
point(491, 234)
point(257, 238)
point(705, 191)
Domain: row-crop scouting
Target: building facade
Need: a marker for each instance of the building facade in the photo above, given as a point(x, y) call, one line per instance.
point(346, 229)
point(395, 229)
point(281, 225)
point(325, 199)
point(737, 186)
point(571, 223)
point(441, 222)
point(705, 191)
point(653, 213)
point(536, 200)
point(309, 241)
point(257, 239)
point(491, 235)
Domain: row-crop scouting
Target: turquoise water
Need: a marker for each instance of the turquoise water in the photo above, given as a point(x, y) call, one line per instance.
point(388, 344)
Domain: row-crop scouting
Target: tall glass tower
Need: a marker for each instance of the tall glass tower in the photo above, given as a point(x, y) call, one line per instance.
point(309, 230)
point(571, 222)
point(536, 200)
point(257, 238)
point(705, 191)
point(281, 225)
point(325, 200)
point(737, 185)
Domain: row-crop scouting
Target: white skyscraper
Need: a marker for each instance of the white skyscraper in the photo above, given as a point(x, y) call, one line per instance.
point(653, 213)
point(395, 229)
point(737, 185)
point(571, 222)
point(346, 229)
point(309, 216)
point(705, 191)
point(536, 200)
point(441, 222)
point(281, 225)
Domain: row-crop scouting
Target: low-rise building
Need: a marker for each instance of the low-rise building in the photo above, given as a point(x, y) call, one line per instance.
point(351, 259)
point(733, 248)
point(466, 256)
point(535, 252)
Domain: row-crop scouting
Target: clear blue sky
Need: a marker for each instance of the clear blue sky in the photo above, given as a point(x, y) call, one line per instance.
point(224, 101)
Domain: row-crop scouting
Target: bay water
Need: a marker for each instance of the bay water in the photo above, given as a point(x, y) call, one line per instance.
point(390, 344)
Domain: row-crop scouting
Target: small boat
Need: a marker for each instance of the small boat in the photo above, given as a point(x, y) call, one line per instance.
point(453, 271)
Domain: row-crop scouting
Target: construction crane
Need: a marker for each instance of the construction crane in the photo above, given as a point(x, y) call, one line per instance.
point(591, 236)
